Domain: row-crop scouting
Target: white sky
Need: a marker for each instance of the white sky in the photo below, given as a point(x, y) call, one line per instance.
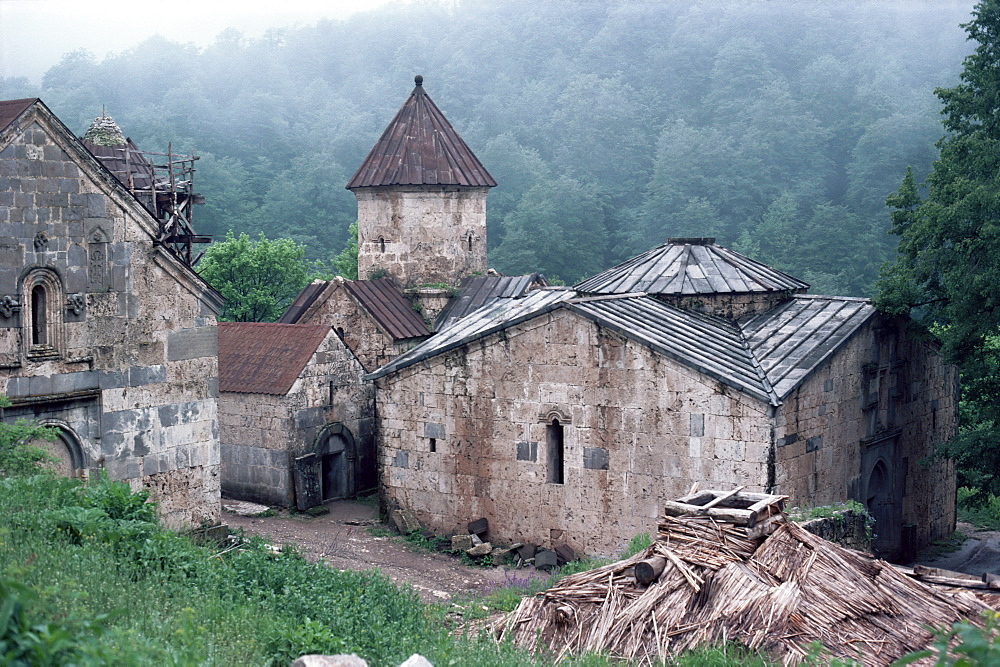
point(35, 33)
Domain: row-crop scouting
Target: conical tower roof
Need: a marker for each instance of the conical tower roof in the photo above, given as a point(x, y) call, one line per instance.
point(683, 267)
point(104, 131)
point(420, 147)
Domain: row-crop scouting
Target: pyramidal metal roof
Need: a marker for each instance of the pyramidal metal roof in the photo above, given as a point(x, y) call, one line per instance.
point(420, 147)
point(688, 267)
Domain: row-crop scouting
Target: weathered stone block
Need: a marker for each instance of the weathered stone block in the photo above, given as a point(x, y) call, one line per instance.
point(405, 521)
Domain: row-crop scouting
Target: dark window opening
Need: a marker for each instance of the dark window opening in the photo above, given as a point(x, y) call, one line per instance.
point(470, 243)
point(340, 332)
point(434, 444)
point(381, 244)
point(38, 297)
point(554, 438)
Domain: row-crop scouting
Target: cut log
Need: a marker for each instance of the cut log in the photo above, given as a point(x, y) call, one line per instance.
point(724, 514)
point(991, 580)
point(723, 497)
point(765, 526)
point(649, 570)
point(924, 571)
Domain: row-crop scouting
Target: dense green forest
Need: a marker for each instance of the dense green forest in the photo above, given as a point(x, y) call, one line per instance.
point(777, 127)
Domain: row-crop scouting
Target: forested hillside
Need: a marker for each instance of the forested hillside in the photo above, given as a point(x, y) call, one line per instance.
point(778, 127)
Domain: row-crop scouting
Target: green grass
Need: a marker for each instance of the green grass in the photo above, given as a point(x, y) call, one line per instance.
point(97, 582)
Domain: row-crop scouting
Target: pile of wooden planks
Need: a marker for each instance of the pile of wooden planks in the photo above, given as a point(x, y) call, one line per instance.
point(707, 580)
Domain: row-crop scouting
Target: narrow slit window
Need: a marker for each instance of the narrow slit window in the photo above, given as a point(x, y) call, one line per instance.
point(381, 244)
point(38, 314)
point(470, 242)
point(434, 444)
point(554, 438)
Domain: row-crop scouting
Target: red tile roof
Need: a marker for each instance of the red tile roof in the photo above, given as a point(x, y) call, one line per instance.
point(420, 147)
point(11, 109)
point(264, 357)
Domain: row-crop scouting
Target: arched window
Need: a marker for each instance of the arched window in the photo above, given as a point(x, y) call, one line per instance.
point(42, 313)
point(554, 442)
point(38, 316)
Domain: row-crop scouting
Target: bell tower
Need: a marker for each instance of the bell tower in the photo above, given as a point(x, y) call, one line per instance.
point(421, 200)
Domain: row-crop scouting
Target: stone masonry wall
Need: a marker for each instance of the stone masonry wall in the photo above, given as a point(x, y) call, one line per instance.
point(730, 306)
point(262, 434)
point(368, 341)
point(882, 388)
point(464, 435)
point(422, 235)
point(129, 366)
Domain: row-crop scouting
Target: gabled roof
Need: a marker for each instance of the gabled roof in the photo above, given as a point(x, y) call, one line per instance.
point(796, 337)
point(382, 299)
point(767, 356)
point(690, 267)
point(390, 309)
point(420, 147)
point(483, 322)
point(11, 109)
point(478, 291)
point(264, 357)
point(303, 301)
point(711, 345)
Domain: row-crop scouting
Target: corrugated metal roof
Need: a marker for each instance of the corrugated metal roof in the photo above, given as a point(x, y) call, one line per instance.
point(390, 309)
point(711, 345)
point(690, 267)
point(420, 147)
point(11, 109)
point(478, 291)
point(793, 339)
point(483, 322)
point(302, 302)
point(265, 357)
point(767, 356)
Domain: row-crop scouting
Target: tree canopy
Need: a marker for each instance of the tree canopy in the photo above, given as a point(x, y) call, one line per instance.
point(948, 269)
point(257, 278)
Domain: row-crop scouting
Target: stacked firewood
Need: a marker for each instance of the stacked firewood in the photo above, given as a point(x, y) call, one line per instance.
point(711, 577)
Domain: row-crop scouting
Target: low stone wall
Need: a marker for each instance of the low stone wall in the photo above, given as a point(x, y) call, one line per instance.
point(849, 527)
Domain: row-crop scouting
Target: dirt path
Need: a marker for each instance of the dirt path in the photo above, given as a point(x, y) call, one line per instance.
point(979, 553)
point(436, 577)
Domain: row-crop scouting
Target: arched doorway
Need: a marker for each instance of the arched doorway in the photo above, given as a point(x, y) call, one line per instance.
point(334, 467)
point(327, 472)
point(881, 503)
point(66, 449)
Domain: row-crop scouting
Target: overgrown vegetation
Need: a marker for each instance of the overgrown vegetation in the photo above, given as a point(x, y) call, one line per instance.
point(977, 509)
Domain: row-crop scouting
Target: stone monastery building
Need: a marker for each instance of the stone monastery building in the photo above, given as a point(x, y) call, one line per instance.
point(561, 415)
point(106, 332)
point(569, 415)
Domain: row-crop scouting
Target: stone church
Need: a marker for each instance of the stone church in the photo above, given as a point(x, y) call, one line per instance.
point(569, 415)
point(106, 332)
